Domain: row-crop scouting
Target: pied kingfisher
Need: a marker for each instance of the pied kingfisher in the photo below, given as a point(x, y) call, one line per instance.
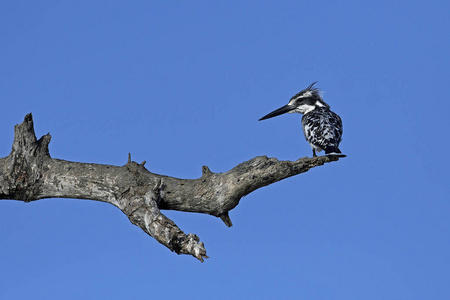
point(321, 126)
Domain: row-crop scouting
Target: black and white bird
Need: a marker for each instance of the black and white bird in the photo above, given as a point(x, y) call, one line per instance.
point(321, 126)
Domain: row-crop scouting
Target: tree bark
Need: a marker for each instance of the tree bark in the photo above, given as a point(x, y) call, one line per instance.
point(29, 173)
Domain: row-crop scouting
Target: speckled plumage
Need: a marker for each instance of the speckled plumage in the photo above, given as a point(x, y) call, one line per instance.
point(323, 130)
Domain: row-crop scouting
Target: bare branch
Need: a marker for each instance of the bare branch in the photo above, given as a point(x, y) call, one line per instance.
point(28, 173)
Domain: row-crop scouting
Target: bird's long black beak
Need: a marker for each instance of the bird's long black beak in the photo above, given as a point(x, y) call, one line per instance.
point(277, 112)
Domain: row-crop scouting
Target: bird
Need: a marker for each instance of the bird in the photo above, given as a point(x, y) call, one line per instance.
point(321, 126)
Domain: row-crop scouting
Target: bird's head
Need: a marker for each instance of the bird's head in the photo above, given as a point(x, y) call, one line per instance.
point(303, 102)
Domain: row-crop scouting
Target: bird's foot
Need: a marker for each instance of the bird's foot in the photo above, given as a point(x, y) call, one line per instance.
point(336, 154)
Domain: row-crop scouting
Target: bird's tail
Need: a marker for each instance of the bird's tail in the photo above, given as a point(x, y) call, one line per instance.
point(333, 150)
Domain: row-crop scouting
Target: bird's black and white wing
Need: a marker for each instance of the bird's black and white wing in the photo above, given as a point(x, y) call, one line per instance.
point(323, 130)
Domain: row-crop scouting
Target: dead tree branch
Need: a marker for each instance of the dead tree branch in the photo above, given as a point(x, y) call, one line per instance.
point(29, 173)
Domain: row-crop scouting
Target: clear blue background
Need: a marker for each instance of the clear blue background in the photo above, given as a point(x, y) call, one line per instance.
point(182, 84)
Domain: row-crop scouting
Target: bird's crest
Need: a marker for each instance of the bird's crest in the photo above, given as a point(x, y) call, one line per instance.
point(310, 87)
point(308, 92)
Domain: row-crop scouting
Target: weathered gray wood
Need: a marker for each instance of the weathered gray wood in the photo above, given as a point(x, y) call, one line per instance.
point(28, 173)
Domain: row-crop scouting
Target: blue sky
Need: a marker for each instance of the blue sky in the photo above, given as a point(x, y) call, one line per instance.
point(182, 84)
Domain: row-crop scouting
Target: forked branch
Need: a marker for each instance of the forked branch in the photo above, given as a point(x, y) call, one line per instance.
point(28, 173)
